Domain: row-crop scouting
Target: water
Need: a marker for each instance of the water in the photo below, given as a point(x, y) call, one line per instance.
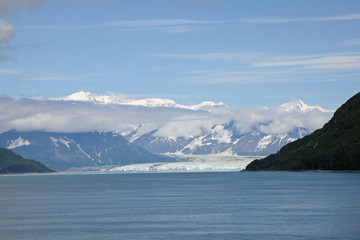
point(181, 206)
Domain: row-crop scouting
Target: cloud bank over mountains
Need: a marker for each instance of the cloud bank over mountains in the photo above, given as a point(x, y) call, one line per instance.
point(84, 112)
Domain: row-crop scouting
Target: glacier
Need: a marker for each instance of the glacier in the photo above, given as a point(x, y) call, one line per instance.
point(189, 163)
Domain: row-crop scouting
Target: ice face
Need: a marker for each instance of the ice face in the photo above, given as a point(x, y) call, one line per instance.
point(195, 163)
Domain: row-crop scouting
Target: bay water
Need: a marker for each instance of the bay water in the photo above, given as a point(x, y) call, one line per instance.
point(181, 206)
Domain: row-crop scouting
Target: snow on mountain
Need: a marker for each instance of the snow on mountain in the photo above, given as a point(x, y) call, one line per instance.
point(60, 140)
point(62, 151)
point(207, 104)
point(264, 142)
point(220, 139)
point(18, 142)
point(95, 98)
point(299, 106)
point(121, 99)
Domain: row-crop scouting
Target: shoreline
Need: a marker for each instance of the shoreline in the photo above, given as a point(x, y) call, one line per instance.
point(316, 171)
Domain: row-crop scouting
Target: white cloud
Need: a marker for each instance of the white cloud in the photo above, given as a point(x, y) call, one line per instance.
point(6, 31)
point(73, 116)
point(307, 19)
point(335, 61)
point(273, 121)
point(190, 126)
point(165, 25)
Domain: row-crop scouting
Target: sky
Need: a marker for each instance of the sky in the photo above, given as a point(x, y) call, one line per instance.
point(242, 53)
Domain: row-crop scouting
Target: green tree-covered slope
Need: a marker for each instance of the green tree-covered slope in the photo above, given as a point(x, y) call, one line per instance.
point(334, 147)
point(11, 162)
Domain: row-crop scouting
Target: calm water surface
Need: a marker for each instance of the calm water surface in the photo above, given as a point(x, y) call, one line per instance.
point(181, 206)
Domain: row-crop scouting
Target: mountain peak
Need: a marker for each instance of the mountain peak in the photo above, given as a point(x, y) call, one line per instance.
point(206, 104)
point(121, 99)
point(78, 96)
point(83, 96)
point(299, 106)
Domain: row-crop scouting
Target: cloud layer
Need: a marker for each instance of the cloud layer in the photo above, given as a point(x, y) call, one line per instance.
point(6, 31)
point(80, 116)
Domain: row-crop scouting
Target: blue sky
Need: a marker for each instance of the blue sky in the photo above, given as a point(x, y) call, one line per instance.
point(243, 53)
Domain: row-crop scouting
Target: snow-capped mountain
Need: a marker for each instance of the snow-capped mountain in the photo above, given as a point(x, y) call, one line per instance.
point(269, 128)
point(61, 151)
point(120, 99)
point(300, 106)
point(224, 139)
point(97, 126)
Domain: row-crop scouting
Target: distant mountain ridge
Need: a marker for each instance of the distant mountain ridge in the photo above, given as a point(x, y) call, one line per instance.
point(61, 151)
point(83, 96)
point(334, 147)
point(220, 139)
point(86, 129)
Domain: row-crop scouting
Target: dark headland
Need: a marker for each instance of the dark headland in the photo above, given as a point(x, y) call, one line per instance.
point(11, 162)
point(335, 147)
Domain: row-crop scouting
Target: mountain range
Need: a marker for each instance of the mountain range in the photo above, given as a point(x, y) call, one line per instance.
point(86, 129)
point(121, 99)
point(216, 138)
point(62, 151)
point(220, 139)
